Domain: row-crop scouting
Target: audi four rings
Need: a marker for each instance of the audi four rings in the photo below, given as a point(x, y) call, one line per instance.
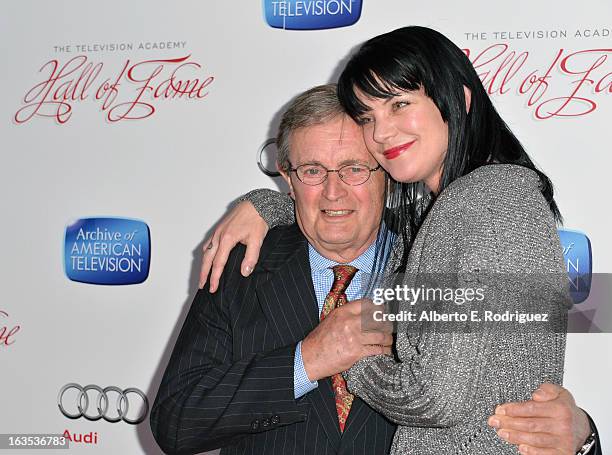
point(81, 404)
point(259, 160)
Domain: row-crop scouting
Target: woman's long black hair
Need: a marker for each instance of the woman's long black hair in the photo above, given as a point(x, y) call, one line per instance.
point(413, 57)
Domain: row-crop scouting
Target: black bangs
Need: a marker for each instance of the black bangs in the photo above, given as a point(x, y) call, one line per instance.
point(374, 72)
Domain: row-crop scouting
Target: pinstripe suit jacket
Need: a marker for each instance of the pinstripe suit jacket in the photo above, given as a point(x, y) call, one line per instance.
point(229, 382)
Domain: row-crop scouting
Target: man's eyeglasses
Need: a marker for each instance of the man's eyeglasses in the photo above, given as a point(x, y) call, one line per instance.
point(351, 174)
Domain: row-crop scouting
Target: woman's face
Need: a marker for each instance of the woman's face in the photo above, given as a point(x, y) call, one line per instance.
point(406, 135)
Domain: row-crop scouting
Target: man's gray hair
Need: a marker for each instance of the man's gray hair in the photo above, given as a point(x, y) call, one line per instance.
point(313, 107)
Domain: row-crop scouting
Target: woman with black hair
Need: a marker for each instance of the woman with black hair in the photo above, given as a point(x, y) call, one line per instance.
point(468, 201)
point(465, 199)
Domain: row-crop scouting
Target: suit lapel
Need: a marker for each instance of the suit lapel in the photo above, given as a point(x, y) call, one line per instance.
point(285, 292)
point(357, 418)
point(324, 406)
point(288, 301)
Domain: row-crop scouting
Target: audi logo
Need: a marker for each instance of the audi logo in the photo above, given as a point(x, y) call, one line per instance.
point(258, 157)
point(81, 404)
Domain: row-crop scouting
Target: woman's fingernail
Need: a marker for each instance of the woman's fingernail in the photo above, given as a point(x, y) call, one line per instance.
point(248, 269)
point(503, 434)
point(494, 422)
point(539, 393)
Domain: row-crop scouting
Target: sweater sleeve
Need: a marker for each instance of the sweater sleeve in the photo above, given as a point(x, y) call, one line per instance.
point(436, 379)
point(274, 207)
point(440, 373)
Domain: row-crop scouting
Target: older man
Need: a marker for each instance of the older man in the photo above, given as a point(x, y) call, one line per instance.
point(256, 367)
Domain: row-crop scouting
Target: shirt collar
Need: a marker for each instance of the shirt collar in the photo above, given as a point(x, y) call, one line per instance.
point(364, 262)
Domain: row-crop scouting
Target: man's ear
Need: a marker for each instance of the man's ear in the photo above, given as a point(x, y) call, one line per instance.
point(287, 178)
point(468, 98)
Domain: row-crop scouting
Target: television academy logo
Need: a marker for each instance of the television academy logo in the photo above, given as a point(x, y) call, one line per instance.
point(311, 14)
point(129, 94)
point(6, 332)
point(113, 251)
point(572, 83)
point(578, 260)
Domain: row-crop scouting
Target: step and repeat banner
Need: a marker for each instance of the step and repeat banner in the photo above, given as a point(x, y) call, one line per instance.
point(129, 127)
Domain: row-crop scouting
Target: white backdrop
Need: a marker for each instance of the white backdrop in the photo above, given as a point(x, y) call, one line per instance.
point(178, 168)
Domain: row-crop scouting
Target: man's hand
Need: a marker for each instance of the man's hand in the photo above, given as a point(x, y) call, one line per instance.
point(243, 224)
point(338, 341)
point(550, 423)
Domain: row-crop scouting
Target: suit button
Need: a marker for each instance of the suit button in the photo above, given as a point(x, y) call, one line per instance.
point(265, 423)
point(275, 419)
point(255, 424)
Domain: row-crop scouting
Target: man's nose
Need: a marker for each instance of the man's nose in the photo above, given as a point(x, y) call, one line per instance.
point(333, 187)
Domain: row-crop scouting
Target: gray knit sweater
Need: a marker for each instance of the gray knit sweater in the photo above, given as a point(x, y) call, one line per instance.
point(444, 385)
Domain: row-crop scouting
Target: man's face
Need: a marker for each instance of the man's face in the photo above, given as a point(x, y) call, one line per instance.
point(341, 221)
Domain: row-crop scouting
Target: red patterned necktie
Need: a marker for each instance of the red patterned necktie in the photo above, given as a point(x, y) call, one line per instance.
point(343, 274)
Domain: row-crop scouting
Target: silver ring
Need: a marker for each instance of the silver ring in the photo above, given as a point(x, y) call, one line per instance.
point(261, 166)
point(84, 394)
point(60, 396)
point(123, 397)
point(120, 414)
point(102, 403)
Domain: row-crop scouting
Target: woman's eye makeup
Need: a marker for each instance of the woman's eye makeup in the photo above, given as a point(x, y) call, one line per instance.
point(399, 104)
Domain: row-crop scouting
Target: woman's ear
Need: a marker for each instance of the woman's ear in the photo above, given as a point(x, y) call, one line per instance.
point(468, 98)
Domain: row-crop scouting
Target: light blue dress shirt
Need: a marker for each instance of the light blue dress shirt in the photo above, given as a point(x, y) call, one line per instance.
point(322, 279)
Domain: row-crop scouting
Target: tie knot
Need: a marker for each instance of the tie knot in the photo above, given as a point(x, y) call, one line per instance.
point(343, 274)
